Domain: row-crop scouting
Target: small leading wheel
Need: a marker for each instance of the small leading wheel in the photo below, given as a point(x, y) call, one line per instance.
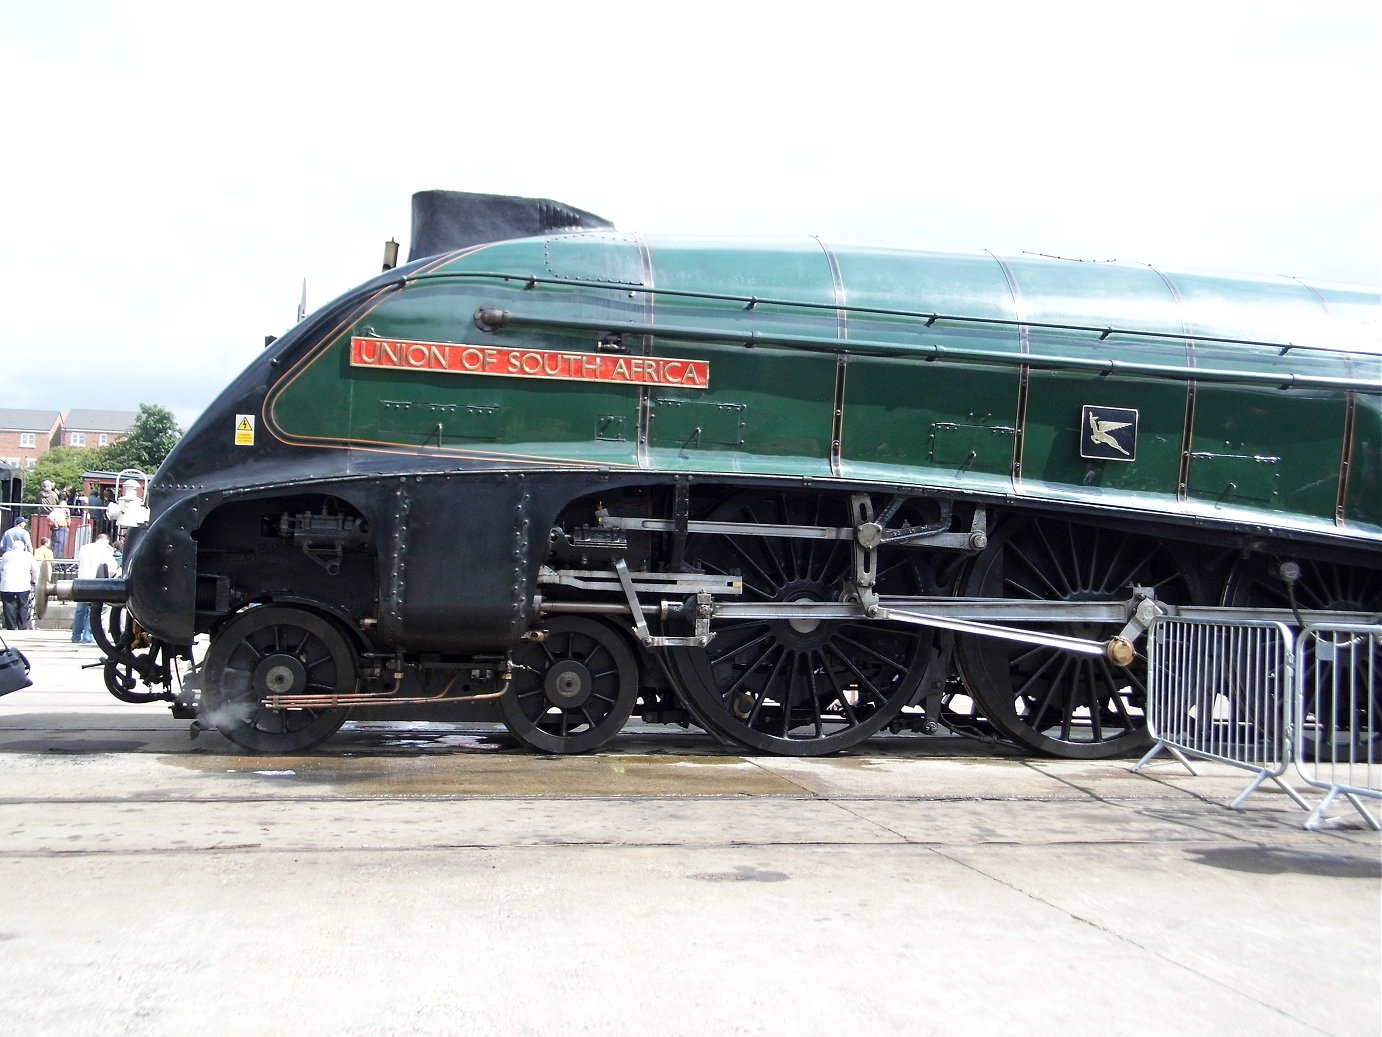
point(275, 650)
point(572, 691)
point(1046, 699)
point(801, 686)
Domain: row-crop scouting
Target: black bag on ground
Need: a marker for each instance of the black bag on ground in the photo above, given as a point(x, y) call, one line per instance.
point(14, 669)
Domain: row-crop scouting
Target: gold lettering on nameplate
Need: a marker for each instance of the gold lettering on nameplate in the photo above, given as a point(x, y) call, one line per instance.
point(511, 362)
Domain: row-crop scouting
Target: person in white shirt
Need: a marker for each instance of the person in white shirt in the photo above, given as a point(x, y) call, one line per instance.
point(17, 587)
point(89, 561)
point(16, 534)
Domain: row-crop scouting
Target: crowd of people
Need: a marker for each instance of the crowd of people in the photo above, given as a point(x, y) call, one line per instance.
point(73, 519)
point(21, 567)
point(18, 569)
point(101, 518)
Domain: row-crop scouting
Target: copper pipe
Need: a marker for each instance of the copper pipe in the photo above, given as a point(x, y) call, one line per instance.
point(368, 699)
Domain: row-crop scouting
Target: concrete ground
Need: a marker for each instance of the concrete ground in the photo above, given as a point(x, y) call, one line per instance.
point(436, 879)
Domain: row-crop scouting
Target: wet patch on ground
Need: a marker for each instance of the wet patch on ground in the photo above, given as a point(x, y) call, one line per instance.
point(518, 775)
point(77, 746)
point(743, 873)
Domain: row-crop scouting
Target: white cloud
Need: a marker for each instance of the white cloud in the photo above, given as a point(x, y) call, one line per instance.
point(176, 171)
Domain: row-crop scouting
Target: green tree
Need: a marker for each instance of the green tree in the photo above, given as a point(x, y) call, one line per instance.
point(149, 440)
point(63, 464)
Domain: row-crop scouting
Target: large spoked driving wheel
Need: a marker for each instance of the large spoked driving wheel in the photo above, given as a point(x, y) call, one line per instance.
point(572, 691)
point(1045, 699)
point(1336, 699)
point(802, 686)
point(275, 650)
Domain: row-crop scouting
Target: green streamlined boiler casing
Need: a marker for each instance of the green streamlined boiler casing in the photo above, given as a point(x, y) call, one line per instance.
point(408, 461)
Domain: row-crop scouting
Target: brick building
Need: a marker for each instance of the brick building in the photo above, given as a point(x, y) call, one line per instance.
point(26, 435)
point(94, 427)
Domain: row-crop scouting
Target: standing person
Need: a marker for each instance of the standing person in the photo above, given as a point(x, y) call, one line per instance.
point(107, 523)
point(17, 587)
point(50, 501)
point(43, 553)
point(89, 561)
point(17, 534)
point(94, 511)
point(60, 518)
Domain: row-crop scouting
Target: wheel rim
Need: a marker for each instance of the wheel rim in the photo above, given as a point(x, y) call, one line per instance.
point(275, 650)
point(1328, 587)
point(572, 691)
point(799, 687)
point(1045, 699)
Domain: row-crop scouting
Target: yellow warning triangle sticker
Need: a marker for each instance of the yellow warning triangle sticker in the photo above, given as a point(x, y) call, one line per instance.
point(244, 430)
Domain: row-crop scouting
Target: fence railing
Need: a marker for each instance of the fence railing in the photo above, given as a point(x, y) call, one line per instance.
point(84, 524)
point(1253, 695)
point(1338, 741)
point(1220, 689)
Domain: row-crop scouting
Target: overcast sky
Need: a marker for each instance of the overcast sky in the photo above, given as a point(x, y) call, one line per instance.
point(172, 172)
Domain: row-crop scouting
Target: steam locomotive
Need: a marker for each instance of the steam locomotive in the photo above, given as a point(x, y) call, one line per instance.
point(790, 492)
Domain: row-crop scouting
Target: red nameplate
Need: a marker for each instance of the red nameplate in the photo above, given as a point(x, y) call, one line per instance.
point(507, 362)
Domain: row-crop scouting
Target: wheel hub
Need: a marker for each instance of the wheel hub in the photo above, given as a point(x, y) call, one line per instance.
point(804, 631)
point(801, 685)
point(280, 675)
point(804, 626)
point(567, 684)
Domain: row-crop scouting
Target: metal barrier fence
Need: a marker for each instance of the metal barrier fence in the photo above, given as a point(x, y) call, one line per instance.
point(85, 522)
point(1221, 689)
point(1338, 742)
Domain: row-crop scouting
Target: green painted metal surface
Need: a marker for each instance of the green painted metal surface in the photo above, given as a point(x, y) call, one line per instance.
point(941, 372)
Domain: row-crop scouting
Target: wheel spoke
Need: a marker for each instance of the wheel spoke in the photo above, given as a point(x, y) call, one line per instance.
point(762, 694)
point(1037, 714)
point(765, 637)
point(242, 669)
point(1096, 705)
point(1038, 696)
point(1054, 565)
point(1140, 565)
point(787, 699)
point(811, 545)
point(747, 673)
point(877, 656)
point(1119, 705)
point(750, 588)
point(842, 696)
point(814, 692)
point(580, 686)
point(1324, 586)
point(864, 682)
point(770, 583)
point(1068, 702)
point(766, 545)
point(1044, 588)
